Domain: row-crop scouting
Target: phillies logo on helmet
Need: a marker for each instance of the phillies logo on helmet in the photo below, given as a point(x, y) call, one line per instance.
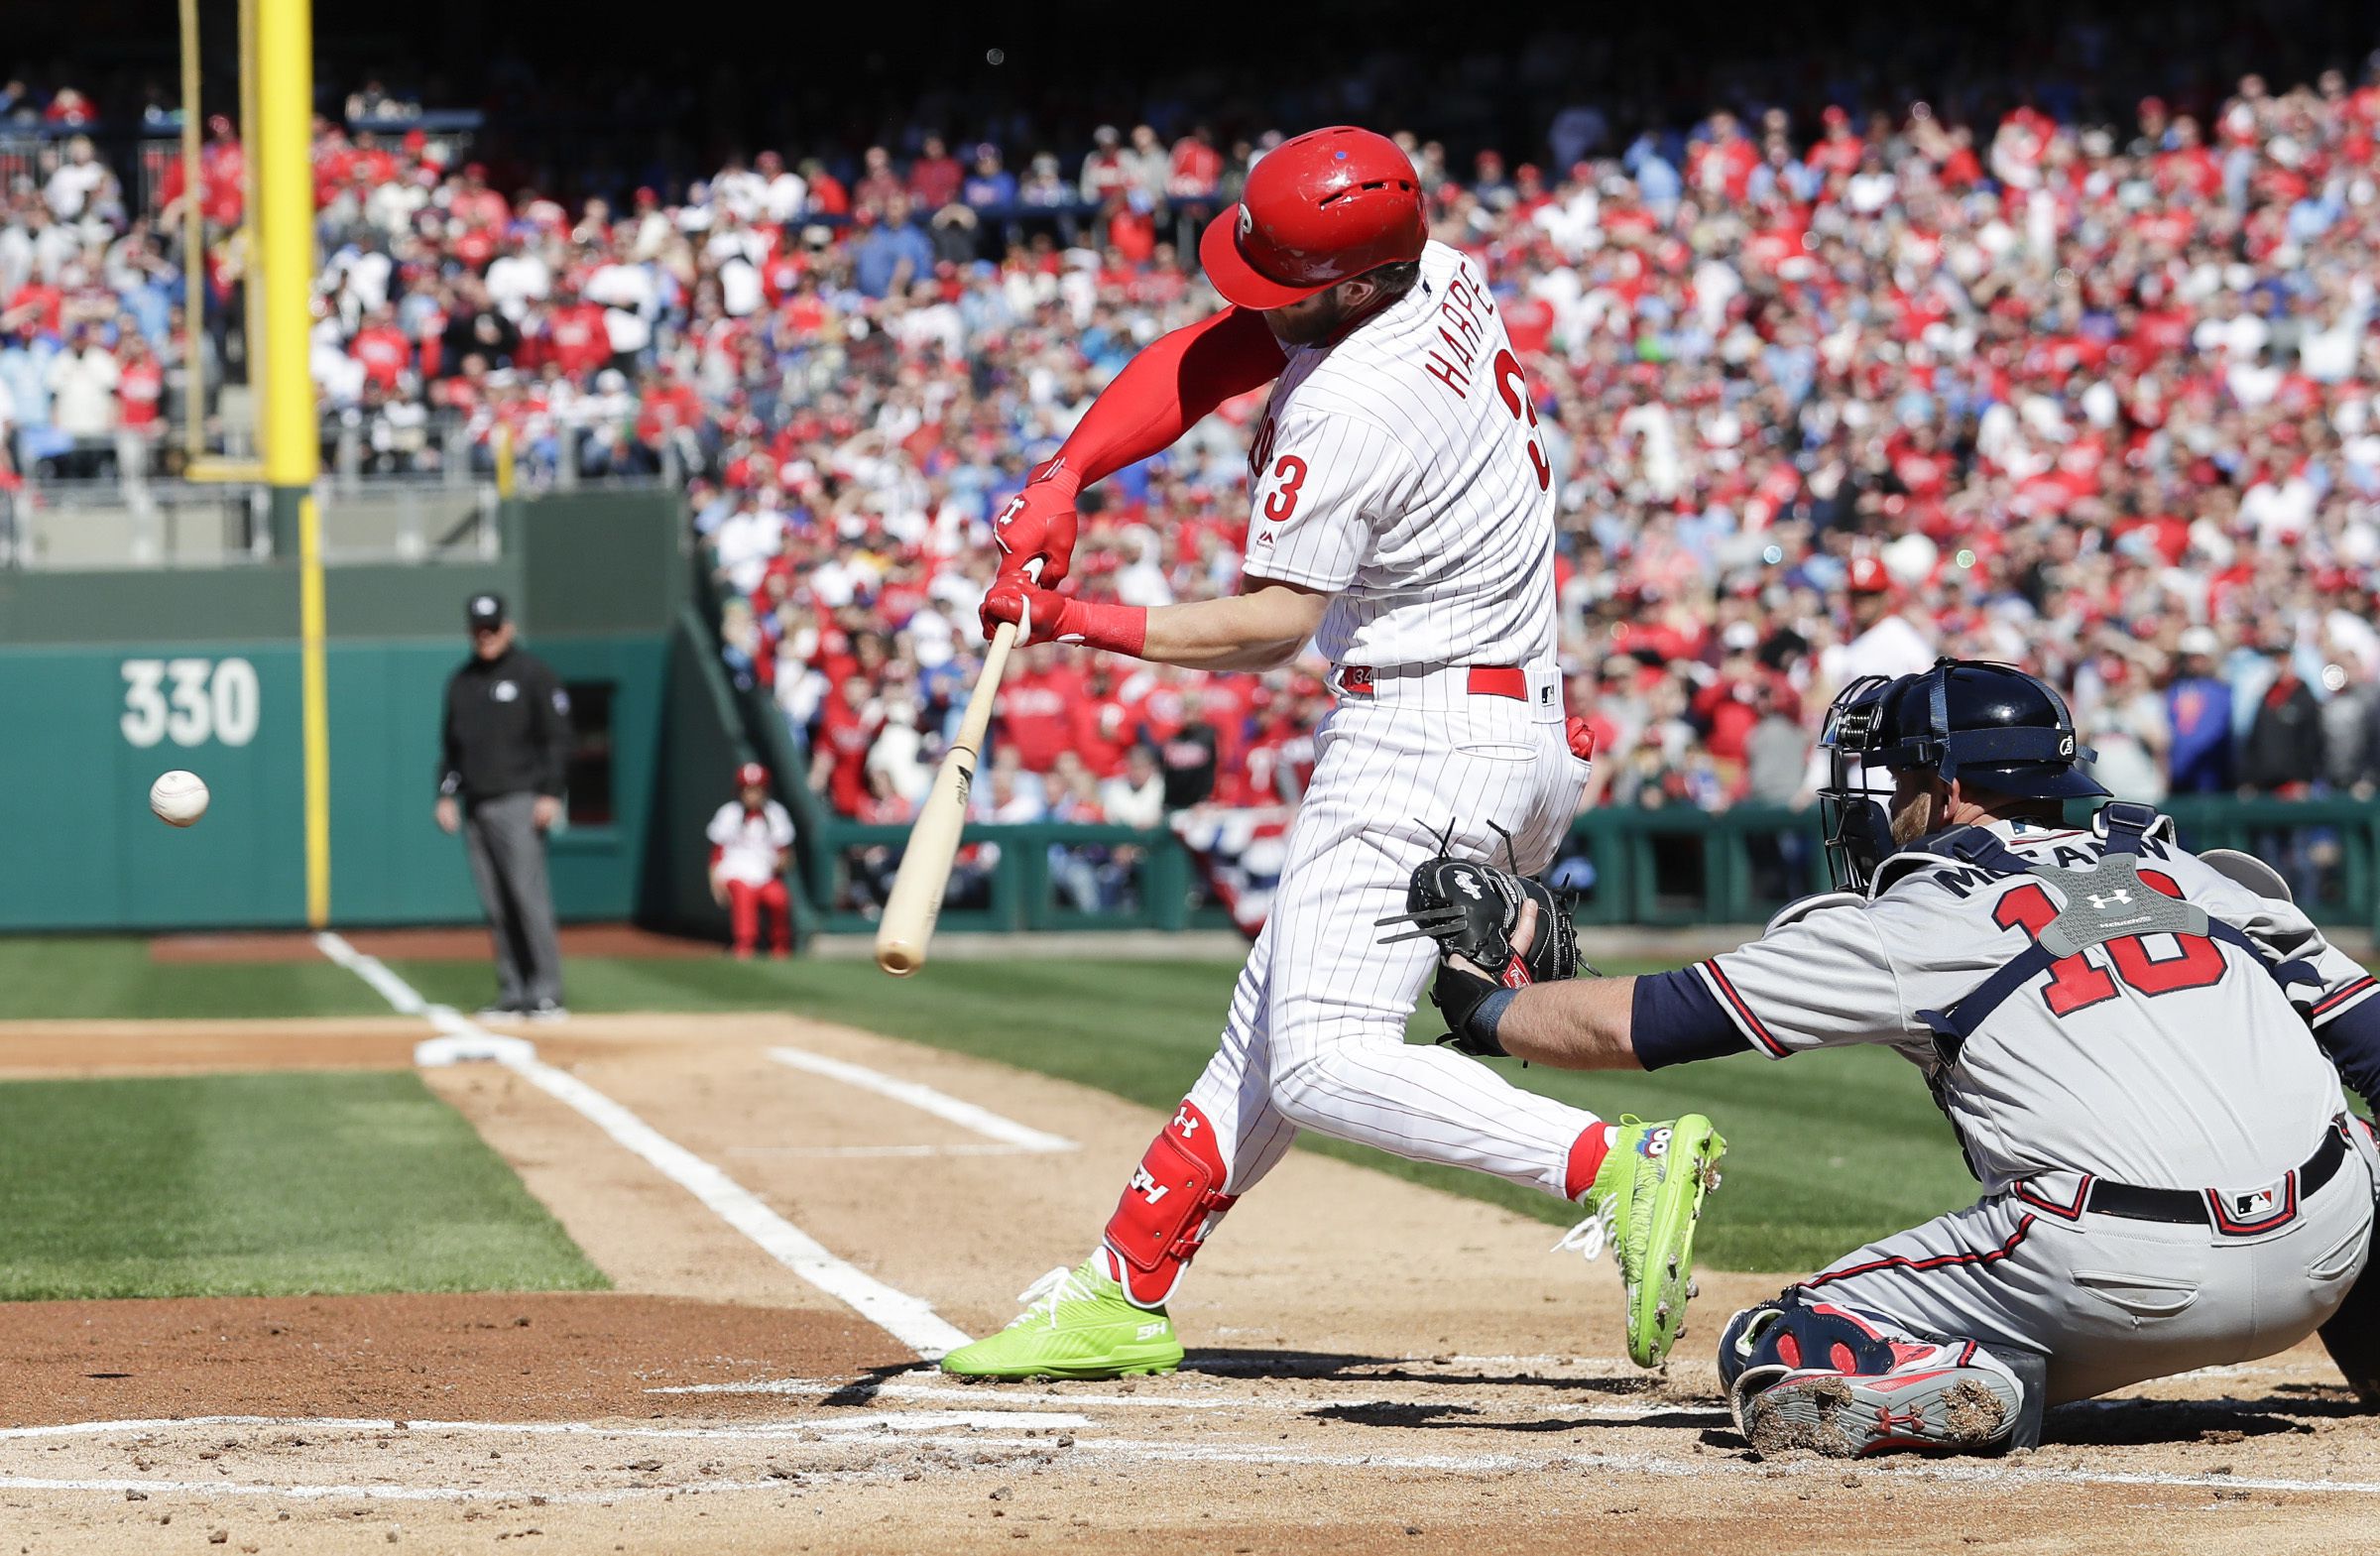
point(1247, 223)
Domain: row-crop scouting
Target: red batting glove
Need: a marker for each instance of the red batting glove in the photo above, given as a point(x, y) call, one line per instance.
point(1046, 615)
point(1038, 613)
point(1581, 737)
point(1038, 524)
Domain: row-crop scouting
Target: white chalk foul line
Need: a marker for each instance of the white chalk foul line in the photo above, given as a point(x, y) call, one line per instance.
point(905, 1318)
point(908, 1319)
point(798, 1387)
point(826, 1425)
point(374, 970)
point(1918, 1472)
point(863, 1152)
point(966, 1115)
point(1091, 1452)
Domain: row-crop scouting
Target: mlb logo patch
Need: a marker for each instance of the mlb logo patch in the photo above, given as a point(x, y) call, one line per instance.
point(2241, 1212)
point(2255, 1205)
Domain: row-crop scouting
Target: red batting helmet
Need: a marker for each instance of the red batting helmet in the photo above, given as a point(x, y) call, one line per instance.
point(1318, 209)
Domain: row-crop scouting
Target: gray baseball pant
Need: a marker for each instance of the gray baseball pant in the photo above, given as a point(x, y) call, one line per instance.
point(508, 865)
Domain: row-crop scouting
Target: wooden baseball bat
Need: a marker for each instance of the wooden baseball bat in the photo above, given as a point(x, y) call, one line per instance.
point(907, 926)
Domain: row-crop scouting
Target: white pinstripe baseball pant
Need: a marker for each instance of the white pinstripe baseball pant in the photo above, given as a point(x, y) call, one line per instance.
point(1316, 1038)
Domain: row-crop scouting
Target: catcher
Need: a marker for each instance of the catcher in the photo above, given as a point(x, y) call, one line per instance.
point(2139, 1049)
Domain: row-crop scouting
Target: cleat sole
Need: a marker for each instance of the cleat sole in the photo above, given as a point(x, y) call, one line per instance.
point(1659, 1311)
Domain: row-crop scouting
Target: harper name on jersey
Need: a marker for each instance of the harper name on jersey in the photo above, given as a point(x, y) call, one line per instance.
point(1402, 470)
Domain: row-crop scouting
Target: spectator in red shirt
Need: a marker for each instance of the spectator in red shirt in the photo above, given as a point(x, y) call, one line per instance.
point(383, 350)
point(847, 727)
point(879, 184)
point(1839, 150)
point(1035, 711)
point(140, 389)
point(576, 340)
point(1197, 166)
point(935, 177)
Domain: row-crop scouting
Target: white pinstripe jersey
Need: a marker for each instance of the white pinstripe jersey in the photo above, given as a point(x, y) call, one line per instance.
point(1400, 470)
point(2158, 1060)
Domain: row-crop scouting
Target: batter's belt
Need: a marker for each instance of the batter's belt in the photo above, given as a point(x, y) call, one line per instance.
point(1445, 689)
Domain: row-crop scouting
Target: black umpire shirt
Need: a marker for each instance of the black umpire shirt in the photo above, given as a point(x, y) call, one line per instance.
point(507, 728)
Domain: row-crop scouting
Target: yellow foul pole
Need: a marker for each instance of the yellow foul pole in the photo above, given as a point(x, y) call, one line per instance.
point(251, 248)
point(281, 166)
point(193, 248)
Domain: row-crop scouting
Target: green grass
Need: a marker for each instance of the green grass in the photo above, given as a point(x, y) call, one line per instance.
point(91, 977)
point(1826, 1151)
point(252, 1185)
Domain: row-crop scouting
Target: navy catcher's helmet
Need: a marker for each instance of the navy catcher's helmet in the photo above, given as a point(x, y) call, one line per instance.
point(1988, 726)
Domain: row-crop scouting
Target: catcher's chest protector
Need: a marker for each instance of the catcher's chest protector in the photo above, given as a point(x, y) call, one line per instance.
point(2109, 901)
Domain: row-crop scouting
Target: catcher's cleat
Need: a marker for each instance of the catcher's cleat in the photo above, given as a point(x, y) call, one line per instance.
point(1845, 1415)
point(1644, 1203)
point(1076, 1323)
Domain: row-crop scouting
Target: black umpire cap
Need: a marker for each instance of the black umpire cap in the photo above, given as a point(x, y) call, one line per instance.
point(485, 612)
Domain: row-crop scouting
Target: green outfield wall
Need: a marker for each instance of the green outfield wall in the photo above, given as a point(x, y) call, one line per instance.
point(107, 680)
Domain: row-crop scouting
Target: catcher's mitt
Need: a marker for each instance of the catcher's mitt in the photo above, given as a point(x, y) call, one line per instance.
point(1473, 911)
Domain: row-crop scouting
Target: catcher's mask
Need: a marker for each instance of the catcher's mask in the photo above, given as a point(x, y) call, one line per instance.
point(1992, 725)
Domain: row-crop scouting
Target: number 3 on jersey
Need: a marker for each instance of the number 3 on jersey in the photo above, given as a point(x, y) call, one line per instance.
point(1513, 385)
point(1290, 471)
point(2076, 984)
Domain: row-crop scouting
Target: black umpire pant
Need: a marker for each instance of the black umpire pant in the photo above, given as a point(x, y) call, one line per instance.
point(508, 864)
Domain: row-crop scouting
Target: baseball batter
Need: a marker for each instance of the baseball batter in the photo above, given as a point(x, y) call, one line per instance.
point(2140, 1050)
point(1402, 522)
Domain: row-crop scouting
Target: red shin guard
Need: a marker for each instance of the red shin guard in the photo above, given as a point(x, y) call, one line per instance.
point(1168, 1207)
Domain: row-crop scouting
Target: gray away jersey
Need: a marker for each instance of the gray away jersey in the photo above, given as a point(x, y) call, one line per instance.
point(2155, 1060)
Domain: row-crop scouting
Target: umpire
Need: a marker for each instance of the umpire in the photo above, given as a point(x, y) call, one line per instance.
point(503, 754)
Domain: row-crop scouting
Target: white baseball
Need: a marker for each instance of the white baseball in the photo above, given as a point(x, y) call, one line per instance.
point(177, 798)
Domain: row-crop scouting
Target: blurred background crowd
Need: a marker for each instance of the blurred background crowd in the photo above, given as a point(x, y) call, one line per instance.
point(1835, 379)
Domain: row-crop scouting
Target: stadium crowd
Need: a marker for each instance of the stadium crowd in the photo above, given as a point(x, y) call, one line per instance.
point(1824, 399)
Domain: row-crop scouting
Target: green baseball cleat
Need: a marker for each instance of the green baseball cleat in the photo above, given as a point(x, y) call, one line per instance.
point(1076, 1324)
point(1644, 1202)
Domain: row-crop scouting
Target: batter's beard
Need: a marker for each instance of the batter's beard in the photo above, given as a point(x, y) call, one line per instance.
point(1309, 328)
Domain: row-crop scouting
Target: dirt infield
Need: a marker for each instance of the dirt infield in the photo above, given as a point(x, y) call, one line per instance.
point(528, 1357)
point(441, 944)
point(1374, 1366)
point(32, 1049)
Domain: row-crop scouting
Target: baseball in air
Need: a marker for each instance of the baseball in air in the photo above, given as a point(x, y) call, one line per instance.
point(177, 798)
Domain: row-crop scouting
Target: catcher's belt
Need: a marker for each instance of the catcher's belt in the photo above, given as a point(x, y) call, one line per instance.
point(2232, 1212)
